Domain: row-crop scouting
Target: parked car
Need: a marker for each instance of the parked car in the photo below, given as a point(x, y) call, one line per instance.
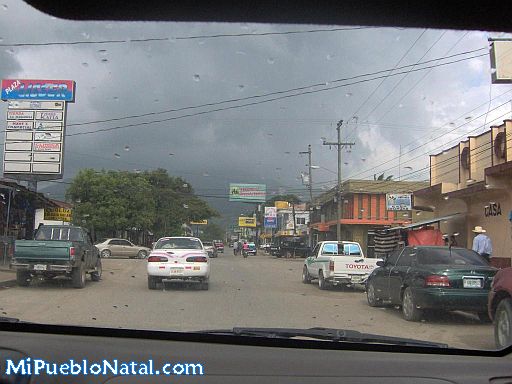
point(219, 245)
point(57, 250)
point(500, 307)
point(178, 259)
point(122, 248)
point(427, 277)
point(209, 247)
point(289, 246)
point(337, 263)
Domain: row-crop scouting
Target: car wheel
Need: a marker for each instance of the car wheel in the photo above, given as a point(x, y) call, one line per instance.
point(96, 274)
point(23, 278)
point(322, 284)
point(306, 278)
point(152, 282)
point(484, 317)
point(78, 276)
point(371, 296)
point(204, 284)
point(409, 310)
point(106, 253)
point(142, 254)
point(503, 324)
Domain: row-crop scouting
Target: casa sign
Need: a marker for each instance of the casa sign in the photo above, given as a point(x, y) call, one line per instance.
point(493, 209)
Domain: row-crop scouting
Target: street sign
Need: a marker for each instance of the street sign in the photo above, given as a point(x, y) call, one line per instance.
point(255, 193)
point(282, 205)
point(247, 222)
point(199, 222)
point(270, 222)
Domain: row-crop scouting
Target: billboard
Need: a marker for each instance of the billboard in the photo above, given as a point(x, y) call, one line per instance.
point(45, 90)
point(270, 220)
point(35, 129)
point(247, 222)
point(57, 214)
point(251, 193)
point(398, 201)
point(282, 205)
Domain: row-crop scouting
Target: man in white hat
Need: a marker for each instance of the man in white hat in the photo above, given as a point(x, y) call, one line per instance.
point(482, 243)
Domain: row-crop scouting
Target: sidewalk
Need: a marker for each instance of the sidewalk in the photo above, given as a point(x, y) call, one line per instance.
point(7, 277)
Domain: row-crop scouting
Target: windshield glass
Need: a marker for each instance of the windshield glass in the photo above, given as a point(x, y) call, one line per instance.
point(178, 243)
point(272, 137)
point(454, 256)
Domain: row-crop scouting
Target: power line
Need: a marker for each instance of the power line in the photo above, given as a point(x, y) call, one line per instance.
point(257, 102)
point(178, 38)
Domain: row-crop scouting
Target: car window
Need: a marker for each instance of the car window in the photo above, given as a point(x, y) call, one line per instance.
point(352, 249)
point(453, 256)
point(178, 243)
point(125, 243)
point(405, 258)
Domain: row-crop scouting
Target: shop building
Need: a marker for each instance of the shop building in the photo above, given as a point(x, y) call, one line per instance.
point(472, 183)
point(364, 211)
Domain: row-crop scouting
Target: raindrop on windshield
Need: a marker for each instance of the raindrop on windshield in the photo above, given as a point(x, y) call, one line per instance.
point(468, 118)
point(329, 57)
point(85, 65)
point(452, 123)
point(117, 155)
point(400, 105)
point(201, 42)
point(206, 174)
point(10, 51)
point(116, 98)
point(241, 87)
point(348, 94)
point(126, 147)
point(493, 70)
point(185, 185)
point(172, 39)
point(244, 26)
point(86, 35)
point(5, 7)
point(185, 206)
point(1, 39)
point(171, 154)
point(197, 77)
point(136, 170)
point(156, 100)
point(271, 60)
point(102, 52)
point(241, 53)
point(104, 60)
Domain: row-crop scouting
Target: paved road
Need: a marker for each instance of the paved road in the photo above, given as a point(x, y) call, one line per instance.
point(258, 291)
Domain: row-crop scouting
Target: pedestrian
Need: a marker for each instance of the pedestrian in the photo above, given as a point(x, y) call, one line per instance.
point(453, 241)
point(235, 248)
point(482, 243)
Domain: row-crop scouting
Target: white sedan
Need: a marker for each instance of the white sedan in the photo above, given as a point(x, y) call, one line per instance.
point(178, 259)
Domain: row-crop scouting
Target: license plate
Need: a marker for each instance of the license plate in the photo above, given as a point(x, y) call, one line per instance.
point(197, 268)
point(356, 279)
point(40, 267)
point(176, 271)
point(472, 283)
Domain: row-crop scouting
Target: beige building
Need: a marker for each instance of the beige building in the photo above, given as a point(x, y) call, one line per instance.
point(473, 179)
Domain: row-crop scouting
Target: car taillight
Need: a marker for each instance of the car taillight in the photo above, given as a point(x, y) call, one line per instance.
point(197, 259)
point(72, 251)
point(437, 281)
point(157, 259)
point(331, 265)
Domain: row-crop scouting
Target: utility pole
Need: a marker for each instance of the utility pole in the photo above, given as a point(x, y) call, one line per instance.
point(340, 146)
point(310, 179)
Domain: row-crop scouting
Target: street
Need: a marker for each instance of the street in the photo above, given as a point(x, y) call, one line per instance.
point(260, 291)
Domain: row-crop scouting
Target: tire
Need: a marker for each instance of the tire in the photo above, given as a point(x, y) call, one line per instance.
point(306, 278)
point(322, 284)
point(152, 282)
point(503, 324)
point(96, 274)
point(409, 310)
point(23, 278)
point(78, 276)
point(484, 317)
point(105, 254)
point(372, 299)
point(142, 254)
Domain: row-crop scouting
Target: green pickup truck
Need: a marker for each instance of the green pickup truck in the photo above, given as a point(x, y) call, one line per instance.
point(57, 250)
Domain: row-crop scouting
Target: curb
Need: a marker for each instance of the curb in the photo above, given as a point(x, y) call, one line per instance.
point(7, 284)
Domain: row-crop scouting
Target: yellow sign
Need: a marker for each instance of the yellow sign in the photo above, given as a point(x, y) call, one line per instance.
point(199, 222)
point(57, 214)
point(247, 222)
point(282, 205)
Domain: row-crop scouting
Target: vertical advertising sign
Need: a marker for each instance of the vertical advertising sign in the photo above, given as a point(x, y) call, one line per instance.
point(270, 220)
point(35, 129)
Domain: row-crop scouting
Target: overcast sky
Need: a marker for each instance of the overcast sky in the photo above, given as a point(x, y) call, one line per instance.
point(258, 143)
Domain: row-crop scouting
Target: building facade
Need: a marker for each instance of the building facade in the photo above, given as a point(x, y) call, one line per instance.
point(473, 181)
point(364, 211)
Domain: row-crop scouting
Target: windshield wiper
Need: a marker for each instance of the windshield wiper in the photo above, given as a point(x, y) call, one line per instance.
point(330, 334)
point(4, 319)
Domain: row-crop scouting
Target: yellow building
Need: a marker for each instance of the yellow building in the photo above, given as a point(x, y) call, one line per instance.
point(473, 179)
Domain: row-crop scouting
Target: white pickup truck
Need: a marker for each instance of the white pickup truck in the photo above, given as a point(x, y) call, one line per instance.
point(337, 263)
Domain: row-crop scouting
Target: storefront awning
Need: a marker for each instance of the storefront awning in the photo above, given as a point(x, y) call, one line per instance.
point(426, 222)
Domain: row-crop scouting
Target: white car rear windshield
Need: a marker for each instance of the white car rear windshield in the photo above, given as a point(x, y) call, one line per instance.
point(178, 243)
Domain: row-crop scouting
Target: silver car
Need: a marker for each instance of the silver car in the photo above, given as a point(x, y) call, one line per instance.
point(122, 248)
point(210, 248)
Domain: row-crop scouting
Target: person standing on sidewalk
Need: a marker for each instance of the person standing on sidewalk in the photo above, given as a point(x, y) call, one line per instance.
point(482, 243)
